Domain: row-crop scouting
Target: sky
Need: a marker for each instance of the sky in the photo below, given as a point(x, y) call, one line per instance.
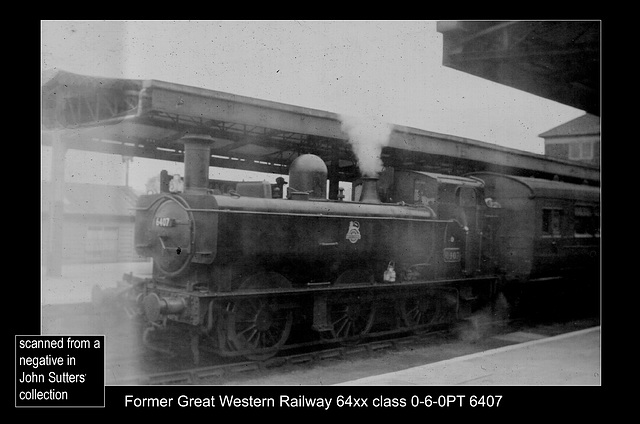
point(391, 70)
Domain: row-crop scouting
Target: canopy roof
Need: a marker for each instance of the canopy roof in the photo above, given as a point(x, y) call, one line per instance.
point(147, 118)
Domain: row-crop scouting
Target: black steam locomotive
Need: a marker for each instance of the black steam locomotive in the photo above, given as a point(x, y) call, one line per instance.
point(242, 269)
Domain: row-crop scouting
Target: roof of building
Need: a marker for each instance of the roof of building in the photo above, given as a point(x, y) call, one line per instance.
point(93, 199)
point(530, 56)
point(586, 124)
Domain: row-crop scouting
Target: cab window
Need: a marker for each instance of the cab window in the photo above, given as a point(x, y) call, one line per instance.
point(467, 196)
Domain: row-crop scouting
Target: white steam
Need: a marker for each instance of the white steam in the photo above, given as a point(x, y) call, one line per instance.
point(367, 137)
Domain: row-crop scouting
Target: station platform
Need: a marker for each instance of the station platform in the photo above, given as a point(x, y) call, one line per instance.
point(567, 359)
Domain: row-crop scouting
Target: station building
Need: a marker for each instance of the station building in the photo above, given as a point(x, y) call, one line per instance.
point(98, 224)
point(577, 140)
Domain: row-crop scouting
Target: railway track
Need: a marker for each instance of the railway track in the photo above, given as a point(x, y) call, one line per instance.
point(315, 353)
point(203, 375)
point(463, 338)
point(129, 362)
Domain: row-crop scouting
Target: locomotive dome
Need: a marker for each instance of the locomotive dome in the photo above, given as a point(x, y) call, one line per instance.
point(308, 173)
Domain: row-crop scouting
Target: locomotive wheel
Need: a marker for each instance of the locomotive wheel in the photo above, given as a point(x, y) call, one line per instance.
point(350, 320)
point(258, 325)
point(419, 311)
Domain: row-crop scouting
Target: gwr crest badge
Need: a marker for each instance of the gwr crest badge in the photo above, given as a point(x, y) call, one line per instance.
point(353, 234)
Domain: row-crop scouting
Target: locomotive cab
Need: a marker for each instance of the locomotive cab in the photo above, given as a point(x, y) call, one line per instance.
point(453, 198)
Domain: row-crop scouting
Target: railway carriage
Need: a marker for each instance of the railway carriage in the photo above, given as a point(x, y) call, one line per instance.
point(547, 228)
point(547, 242)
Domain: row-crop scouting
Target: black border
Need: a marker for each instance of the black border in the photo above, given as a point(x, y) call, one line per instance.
point(518, 402)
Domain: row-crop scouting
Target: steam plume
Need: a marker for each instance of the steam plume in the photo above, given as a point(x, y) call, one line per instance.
point(367, 137)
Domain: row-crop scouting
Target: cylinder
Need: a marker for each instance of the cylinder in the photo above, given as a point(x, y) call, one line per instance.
point(197, 156)
point(370, 190)
point(155, 307)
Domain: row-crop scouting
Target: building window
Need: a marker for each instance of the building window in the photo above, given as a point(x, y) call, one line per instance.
point(582, 150)
point(552, 222)
point(587, 221)
point(102, 244)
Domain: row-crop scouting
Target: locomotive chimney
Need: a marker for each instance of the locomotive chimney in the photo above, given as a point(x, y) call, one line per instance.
point(370, 190)
point(197, 156)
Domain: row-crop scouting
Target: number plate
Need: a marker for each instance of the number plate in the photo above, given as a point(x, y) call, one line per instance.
point(164, 221)
point(452, 255)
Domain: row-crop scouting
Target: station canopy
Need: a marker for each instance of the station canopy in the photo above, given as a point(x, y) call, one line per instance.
point(557, 60)
point(147, 118)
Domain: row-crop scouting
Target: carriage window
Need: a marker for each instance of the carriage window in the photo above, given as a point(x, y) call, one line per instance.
point(551, 222)
point(584, 221)
point(587, 221)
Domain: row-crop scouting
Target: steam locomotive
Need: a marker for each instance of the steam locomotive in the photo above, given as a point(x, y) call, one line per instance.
point(241, 269)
